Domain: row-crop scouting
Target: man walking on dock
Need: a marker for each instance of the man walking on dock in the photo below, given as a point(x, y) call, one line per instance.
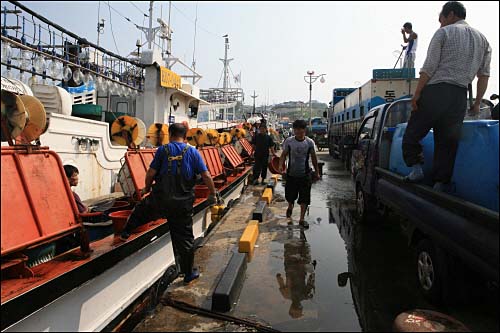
point(173, 168)
point(456, 54)
point(299, 175)
point(261, 143)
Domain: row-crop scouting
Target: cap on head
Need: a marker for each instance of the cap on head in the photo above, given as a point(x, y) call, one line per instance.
point(407, 25)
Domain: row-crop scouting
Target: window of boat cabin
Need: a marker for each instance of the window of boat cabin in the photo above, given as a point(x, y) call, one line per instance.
point(361, 110)
point(347, 115)
point(193, 109)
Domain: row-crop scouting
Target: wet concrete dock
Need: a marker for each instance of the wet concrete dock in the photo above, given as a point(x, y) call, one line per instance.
point(337, 275)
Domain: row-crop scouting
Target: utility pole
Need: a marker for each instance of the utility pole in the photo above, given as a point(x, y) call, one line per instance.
point(254, 97)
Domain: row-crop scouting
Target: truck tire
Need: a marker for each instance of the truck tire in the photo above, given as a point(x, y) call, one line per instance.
point(430, 266)
point(365, 207)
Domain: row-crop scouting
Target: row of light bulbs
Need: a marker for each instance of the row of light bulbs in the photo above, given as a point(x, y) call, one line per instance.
point(56, 70)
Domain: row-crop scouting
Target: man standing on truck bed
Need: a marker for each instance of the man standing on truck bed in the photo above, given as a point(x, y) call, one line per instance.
point(411, 48)
point(456, 54)
point(299, 176)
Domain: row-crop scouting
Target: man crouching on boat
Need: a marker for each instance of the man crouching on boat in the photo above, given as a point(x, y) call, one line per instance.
point(172, 196)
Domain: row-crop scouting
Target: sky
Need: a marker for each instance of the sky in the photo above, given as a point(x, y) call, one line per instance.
point(274, 44)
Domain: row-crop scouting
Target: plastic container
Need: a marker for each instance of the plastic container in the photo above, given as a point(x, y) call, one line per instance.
point(119, 219)
point(274, 163)
point(96, 231)
point(475, 175)
point(119, 205)
point(396, 161)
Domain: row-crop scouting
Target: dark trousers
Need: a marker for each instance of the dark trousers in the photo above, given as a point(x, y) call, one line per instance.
point(442, 107)
point(298, 187)
point(260, 167)
point(180, 223)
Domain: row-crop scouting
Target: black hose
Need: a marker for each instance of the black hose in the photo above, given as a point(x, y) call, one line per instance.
point(182, 306)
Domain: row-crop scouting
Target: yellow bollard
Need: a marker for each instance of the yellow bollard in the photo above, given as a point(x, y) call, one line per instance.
point(267, 195)
point(249, 237)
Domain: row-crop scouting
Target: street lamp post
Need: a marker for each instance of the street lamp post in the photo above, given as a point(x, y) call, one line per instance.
point(311, 78)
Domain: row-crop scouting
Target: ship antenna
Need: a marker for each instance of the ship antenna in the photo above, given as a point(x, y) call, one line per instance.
point(194, 41)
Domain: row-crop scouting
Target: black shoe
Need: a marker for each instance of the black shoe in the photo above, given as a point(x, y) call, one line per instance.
point(255, 182)
point(124, 235)
point(191, 277)
point(304, 224)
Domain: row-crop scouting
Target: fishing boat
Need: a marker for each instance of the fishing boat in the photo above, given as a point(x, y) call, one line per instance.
point(110, 133)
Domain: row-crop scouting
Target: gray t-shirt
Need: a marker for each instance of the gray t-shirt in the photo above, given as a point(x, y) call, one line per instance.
point(298, 152)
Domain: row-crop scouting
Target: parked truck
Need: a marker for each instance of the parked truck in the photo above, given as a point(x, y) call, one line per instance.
point(452, 234)
point(318, 132)
point(350, 105)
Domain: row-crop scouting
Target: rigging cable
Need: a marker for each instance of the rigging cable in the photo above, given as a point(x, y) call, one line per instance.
point(133, 4)
point(111, 25)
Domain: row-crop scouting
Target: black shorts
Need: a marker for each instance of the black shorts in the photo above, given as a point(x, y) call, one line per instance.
point(298, 186)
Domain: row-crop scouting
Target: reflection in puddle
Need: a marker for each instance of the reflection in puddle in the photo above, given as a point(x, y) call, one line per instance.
point(298, 284)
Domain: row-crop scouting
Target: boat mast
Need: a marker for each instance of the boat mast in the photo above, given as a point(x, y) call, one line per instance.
point(225, 83)
point(254, 97)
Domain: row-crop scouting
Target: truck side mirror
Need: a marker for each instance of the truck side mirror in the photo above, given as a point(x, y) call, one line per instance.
point(325, 114)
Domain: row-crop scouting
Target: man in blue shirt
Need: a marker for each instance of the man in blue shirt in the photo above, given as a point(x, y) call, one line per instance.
point(172, 196)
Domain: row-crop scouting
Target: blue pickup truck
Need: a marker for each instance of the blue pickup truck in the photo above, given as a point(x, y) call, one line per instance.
point(453, 234)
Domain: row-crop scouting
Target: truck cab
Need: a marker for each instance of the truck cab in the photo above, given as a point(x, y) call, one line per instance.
point(452, 237)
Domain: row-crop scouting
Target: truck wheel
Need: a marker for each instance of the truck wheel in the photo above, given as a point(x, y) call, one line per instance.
point(364, 206)
point(431, 270)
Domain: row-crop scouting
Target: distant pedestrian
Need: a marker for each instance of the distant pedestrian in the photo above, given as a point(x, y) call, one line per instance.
point(457, 53)
point(262, 143)
point(411, 48)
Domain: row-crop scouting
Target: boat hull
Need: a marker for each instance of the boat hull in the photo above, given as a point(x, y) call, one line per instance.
point(95, 303)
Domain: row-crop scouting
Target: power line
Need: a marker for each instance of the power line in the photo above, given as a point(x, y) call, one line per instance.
point(111, 25)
